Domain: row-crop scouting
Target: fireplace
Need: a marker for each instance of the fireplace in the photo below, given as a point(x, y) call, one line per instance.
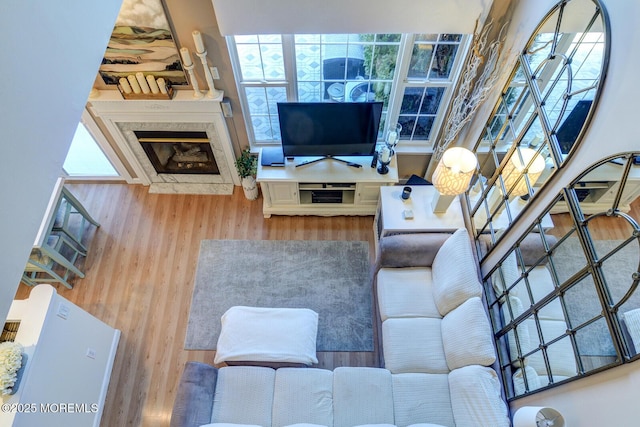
point(178, 152)
point(178, 146)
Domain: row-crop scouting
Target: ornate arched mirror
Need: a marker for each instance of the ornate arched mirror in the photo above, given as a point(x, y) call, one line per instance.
point(542, 113)
point(564, 301)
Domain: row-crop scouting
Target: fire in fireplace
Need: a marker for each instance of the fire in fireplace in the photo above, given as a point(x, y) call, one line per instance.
point(178, 152)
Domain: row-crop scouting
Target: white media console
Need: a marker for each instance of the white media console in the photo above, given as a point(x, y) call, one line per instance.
point(324, 188)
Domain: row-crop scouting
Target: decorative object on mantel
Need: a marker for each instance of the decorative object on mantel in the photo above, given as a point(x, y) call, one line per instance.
point(472, 90)
point(141, 41)
point(202, 54)
point(142, 87)
point(247, 166)
point(11, 362)
point(188, 65)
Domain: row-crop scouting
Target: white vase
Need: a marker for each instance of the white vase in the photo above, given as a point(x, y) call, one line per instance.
point(250, 187)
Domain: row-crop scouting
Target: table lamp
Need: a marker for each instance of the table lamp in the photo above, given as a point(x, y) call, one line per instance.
point(452, 176)
point(517, 166)
point(512, 175)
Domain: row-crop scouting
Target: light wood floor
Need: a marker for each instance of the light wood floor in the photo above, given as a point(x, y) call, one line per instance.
point(139, 279)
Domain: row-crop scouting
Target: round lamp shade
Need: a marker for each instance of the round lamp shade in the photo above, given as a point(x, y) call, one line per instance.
point(515, 168)
point(454, 171)
point(537, 416)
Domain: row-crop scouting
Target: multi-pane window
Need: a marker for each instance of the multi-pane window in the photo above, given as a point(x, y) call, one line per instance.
point(412, 74)
point(429, 75)
point(264, 82)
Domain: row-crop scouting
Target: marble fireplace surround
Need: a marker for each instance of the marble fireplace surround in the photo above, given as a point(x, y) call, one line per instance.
point(183, 113)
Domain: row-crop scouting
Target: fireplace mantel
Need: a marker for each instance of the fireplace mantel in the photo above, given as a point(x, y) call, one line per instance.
point(122, 117)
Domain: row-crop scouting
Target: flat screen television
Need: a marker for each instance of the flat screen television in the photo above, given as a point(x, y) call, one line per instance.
point(329, 128)
point(569, 130)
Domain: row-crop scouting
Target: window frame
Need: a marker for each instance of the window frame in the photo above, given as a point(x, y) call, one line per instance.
point(400, 81)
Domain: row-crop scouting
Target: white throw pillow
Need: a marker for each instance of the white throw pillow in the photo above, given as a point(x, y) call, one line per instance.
point(455, 278)
point(510, 274)
point(466, 336)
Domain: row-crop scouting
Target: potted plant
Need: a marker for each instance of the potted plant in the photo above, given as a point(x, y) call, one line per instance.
point(247, 166)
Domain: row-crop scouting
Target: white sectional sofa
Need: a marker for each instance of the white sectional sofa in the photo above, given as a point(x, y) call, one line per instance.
point(435, 333)
point(436, 347)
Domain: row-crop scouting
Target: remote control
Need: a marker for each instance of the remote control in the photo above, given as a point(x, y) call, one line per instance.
point(374, 160)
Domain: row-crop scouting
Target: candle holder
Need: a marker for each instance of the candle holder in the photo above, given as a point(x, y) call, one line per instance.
point(194, 82)
point(213, 92)
point(393, 136)
point(383, 167)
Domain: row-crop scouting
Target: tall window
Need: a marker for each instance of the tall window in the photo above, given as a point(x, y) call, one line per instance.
point(412, 74)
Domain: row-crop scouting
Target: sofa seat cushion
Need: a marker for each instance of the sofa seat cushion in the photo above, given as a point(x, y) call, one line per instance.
point(413, 344)
point(541, 284)
point(476, 398)
point(560, 354)
point(405, 292)
point(520, 334)
point(455, 277)
point(466, 336)
point(422, 398)
point(532, 380)
point(303, 396)
point(362, 396)
point(255, 384)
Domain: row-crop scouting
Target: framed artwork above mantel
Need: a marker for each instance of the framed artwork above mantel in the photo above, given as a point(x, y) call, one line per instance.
point(142, 41)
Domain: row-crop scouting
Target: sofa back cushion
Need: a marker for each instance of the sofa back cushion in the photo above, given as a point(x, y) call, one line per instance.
point(454, 273)
point(362, 396)
point(466, 336)
point(410, 250)
point(303, 396)
point(234, 382)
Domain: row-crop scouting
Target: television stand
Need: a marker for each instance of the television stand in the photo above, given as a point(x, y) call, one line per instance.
point(327, 189)
point(328, 157)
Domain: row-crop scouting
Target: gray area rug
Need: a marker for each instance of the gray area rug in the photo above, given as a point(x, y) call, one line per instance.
point(582, 299)
point(330, 277)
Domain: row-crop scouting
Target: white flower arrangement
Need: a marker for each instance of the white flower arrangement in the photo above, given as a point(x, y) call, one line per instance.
point(10, 363)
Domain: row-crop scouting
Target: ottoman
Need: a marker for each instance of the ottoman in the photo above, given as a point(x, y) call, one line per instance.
point(258, 334)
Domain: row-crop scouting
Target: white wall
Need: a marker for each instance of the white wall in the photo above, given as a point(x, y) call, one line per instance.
point(353, 16)
point(608, 398)
point(50, 56)
point(58, 370)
